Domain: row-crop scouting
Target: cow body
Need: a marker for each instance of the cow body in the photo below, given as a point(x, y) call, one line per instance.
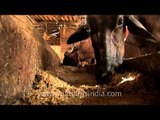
point(80, 54)
point(137, 46)
point(108, 34)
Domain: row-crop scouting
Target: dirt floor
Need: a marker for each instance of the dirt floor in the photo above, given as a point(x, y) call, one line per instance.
point(77, 86)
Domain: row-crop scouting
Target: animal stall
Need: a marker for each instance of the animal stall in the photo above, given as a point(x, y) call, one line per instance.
point(32, 70)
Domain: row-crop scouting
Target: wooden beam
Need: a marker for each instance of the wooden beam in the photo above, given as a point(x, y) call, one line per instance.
point(75, 18)
point(51, 18)
point(46, 17)
point(70, 18)
point(55, 19)
point(31, 18)
point(42, 18)
point(66, 17)
point(62, 18)
point(36, 17)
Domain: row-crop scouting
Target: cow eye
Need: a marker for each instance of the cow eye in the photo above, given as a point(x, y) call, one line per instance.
point(120, 21)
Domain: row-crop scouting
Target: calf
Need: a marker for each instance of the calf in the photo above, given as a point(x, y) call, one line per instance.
point(80, 54)
point(108, 33)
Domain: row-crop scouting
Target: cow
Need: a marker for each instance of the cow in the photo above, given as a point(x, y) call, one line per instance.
point(137, 46)
point(80, 54)
point(70, 57)
point(108, 34)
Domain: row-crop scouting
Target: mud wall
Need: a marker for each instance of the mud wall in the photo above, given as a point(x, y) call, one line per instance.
point(22, 53)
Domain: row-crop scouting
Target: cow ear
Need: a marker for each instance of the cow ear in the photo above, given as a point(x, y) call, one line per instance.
point(81, 34)
point(135, 27)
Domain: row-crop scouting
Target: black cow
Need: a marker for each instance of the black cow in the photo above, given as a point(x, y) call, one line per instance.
point(108, 33)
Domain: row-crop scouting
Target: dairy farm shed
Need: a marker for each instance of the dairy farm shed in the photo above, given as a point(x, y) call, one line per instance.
point(56, 29)
point(32, 70)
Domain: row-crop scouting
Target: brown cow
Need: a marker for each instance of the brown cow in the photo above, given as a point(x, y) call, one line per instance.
point(136, 46)
point(80, 54)
point(108, 33)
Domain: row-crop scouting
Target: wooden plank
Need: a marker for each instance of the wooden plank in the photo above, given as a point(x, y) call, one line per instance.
point(55, 19)
point(46, 18)
point(75, 18)
point(70, 18)
point(36, 17)
point(66, 18)
point(51, 18)
point(62, 18)
point(31, 18)
point(42, 18)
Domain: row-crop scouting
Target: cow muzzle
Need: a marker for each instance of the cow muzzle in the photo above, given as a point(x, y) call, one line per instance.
point(103, 76)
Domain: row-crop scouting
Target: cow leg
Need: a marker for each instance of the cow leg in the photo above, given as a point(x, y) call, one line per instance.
point(79, 62)
point(93, 61)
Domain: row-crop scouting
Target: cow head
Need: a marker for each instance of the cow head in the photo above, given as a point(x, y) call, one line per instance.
point(108, 34)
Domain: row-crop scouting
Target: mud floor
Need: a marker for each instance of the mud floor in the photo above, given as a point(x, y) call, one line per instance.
point(76, 86)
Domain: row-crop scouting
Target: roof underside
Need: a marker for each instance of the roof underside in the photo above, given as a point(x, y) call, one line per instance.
point(55, 18)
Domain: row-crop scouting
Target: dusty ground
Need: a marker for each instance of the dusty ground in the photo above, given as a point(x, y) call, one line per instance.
point(76, 86)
